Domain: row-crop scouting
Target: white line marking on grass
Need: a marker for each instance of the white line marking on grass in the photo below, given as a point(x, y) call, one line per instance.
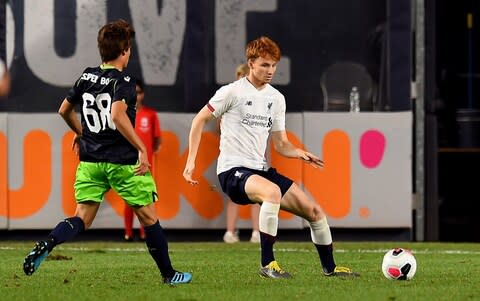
point(140, 249)
point(143, 249)
point(63, 248)
point(427, 251)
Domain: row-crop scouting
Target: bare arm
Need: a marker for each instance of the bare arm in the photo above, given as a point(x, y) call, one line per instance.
point(284, 147)
point(194, 138)
point(124, 126)
point(68, 114)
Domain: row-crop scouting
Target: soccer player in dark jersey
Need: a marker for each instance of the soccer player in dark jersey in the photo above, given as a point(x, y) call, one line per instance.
point(111, 153)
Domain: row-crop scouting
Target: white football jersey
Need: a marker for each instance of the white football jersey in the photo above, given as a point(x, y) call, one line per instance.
point(247, 117)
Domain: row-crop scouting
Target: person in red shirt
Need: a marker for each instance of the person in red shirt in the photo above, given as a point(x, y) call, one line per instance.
point(147, 127)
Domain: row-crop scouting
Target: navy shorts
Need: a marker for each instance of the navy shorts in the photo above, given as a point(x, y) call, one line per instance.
point(233, 182)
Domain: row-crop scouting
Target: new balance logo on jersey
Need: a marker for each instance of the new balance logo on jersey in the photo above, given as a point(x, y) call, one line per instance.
point(248, 103)
point(238, 174)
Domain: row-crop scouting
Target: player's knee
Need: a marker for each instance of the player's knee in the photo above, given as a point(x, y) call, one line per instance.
point(147, 220)
point(315, 213)
point(146, 215)
point(273, 194)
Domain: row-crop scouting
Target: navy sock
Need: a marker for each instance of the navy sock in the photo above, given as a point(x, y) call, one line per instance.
point(64, 231)
point(158, 247)
point(266, 243)
point(325, 252)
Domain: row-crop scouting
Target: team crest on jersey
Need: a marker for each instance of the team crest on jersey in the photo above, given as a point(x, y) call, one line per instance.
point(127, 78)
point(269, 106)
point(144, 124)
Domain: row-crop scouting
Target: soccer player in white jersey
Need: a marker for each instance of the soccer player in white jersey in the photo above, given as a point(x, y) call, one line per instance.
point(252, 111)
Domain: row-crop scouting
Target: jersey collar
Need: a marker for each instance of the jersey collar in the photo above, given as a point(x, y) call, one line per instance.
point(107, 66)
point(253, 87)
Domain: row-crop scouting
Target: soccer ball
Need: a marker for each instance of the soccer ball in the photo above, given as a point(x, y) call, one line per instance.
point(399, 264)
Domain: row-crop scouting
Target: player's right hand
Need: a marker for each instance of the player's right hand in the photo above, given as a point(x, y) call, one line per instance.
point(188, 173)
point(76, 144)
point(143, 164)
point(311, 159)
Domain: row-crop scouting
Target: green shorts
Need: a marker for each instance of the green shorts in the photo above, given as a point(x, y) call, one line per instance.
point(93, 180)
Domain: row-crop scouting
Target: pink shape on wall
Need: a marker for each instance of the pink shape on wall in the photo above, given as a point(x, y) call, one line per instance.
point(372, 148)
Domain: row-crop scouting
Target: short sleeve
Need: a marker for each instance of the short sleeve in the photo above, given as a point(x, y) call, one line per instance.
point(279, 117)
point(124, 89)
point(221, 101)
point(74, 94)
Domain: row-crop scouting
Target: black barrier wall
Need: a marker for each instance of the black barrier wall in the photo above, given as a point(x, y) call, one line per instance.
point(185, 50)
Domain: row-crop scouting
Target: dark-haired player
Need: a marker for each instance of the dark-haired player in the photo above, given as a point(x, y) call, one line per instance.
point(252, 111)
point(111, 154)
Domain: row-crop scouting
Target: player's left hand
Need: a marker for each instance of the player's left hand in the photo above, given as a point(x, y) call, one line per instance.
point(311, 159)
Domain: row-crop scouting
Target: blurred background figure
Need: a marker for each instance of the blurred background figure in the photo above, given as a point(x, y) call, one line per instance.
point(231, 235)
point(4, 79)
point(147, 127)
point(241, 71)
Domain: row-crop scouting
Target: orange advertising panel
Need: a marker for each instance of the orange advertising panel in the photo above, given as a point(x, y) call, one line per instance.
point(354, 154)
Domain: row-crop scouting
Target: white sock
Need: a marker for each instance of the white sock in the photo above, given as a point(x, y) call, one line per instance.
point(320, 232)
point(269, 218)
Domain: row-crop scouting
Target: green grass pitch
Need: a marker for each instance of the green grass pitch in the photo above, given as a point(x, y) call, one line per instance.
point(125, 271)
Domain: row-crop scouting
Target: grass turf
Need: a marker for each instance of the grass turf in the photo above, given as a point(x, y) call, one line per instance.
point(125, 271)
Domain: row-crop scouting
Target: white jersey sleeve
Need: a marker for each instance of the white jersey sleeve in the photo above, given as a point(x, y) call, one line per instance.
point(221, 101)
point(279, 118)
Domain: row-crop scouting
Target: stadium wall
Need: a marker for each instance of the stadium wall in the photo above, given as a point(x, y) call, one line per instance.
point(366, 181)
point(185, 49)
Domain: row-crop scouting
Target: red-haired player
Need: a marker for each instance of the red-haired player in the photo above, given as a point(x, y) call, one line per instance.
point(253, 112)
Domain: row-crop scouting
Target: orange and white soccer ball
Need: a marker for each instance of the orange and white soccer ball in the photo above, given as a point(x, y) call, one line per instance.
point(399, 264)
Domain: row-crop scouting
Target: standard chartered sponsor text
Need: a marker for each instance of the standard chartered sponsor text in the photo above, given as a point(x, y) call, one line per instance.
point(256, 120)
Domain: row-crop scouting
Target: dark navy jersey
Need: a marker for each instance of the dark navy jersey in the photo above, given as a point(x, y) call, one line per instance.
point(95, 92)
